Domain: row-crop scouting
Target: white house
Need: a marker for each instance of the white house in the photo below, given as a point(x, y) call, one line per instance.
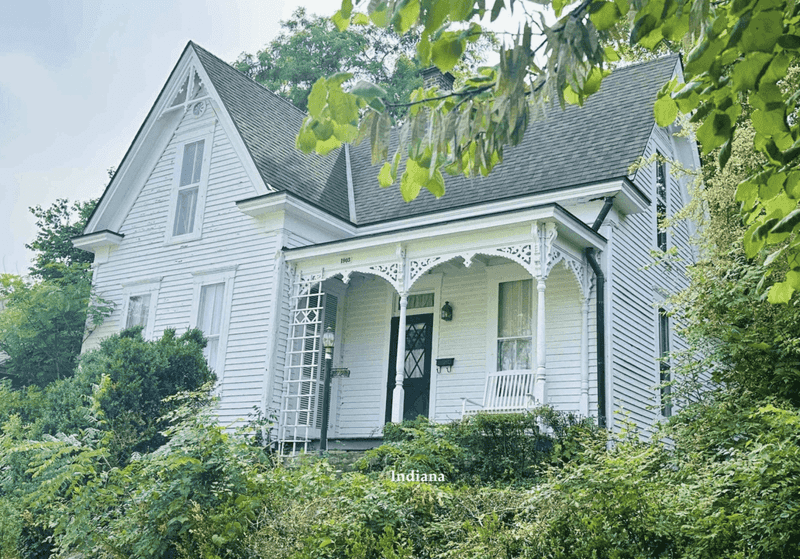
point(215, 220)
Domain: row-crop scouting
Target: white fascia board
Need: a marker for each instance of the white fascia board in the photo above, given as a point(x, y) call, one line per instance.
point(232, 131)
point(93, 241)
point(574, 229)
point(626, 198)
point(297, 208)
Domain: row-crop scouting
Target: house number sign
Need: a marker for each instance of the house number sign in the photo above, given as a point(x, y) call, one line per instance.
point(345, 260)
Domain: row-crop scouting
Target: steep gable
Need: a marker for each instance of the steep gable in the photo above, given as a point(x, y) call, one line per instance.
point(579, 145)
point(268, 125)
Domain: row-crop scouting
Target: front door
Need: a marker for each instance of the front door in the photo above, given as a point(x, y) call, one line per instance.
point(417, 378)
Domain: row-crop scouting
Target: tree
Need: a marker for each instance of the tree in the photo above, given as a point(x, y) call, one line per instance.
point(743, 51)
point(44, 321)
point(57, 225)
point(43, 324)
point(310, 48)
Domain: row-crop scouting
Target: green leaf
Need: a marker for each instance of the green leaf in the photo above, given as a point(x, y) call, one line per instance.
point(604, 15)
point(446, 51)
point(724, 154)
point(412, 180)
point(496, 8)
point(763, 32)
point(306, 140)
point(788, 223)
point(665, 110)
point(344, 108)
point(769, 123)
point(780, 293)
point(406, 16)
point(360, 19)
point(714, 132)
point(385, 177)
point(789, 42)
point(746, 73)
point(435, 184)
point(367, 90)
point(341, 19)
point(318, 97)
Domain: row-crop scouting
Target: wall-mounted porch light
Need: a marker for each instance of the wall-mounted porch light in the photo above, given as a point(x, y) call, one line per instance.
point(447, 312)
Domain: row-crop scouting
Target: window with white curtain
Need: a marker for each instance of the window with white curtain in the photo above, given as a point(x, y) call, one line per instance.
point(514, 333)
point(209, 318)
point(188, 188)
point(138, 311)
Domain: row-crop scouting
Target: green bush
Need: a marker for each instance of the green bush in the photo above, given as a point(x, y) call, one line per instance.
point(490, 448)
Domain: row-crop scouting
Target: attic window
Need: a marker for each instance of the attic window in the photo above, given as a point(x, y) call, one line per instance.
point(187, 203)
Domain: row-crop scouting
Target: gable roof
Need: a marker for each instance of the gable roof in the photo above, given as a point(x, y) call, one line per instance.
point(579, 145)
point(268, 125)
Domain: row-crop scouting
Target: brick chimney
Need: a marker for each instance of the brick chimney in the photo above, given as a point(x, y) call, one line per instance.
point(433, 77)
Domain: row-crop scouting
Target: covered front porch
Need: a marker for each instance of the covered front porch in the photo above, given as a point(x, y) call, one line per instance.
point(442, 321)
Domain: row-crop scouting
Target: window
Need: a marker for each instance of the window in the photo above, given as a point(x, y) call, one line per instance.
point(188, 196)
point(211, 310)
point(188, 188)
point(417, 301)
point(661, 202)
point(664, 366)
point(139, 307)
point(514, 334)
point(209, 318)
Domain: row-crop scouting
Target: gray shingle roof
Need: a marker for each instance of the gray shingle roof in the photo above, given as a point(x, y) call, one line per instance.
point(268, 125)
point(579, 145)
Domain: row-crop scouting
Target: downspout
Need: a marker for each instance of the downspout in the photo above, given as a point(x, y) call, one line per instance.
point(600, 313)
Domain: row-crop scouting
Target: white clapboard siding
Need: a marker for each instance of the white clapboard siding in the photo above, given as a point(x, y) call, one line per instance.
point(636, 291)
point(563, 339)
point(464, 339)
point(362, 400)
point(229, 238)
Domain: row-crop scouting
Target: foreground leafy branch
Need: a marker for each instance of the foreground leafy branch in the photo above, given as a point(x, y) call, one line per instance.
point(744, 50)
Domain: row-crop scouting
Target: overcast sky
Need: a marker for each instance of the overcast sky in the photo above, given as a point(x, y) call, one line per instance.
point(78, 78)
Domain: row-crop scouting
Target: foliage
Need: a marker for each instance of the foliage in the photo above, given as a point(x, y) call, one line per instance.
point(44, 324)
point(728, 489)
point(310, 48)
point(58, 225)
point(129, 379)
point(488, 448)
point(743, 50)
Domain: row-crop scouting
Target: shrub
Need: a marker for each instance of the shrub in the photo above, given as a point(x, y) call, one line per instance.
point(490, 448)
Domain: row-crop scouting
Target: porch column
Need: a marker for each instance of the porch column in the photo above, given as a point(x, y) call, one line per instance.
point(400, 367)
point(584, 401)
point(540, 385)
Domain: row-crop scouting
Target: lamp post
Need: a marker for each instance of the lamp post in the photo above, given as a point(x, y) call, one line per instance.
point(327, 342)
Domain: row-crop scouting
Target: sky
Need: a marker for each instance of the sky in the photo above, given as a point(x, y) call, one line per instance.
point(78, 78)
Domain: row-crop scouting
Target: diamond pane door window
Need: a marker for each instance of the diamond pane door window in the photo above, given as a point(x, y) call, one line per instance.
point(209, 319)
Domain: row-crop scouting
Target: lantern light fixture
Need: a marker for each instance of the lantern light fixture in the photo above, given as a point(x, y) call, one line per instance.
point(447, 312)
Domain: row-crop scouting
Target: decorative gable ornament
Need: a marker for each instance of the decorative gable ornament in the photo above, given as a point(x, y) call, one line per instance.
point(190, 94)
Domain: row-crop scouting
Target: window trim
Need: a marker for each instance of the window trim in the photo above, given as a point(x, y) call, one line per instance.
point(135, 289)
point(225, 276)
point(202, 188)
